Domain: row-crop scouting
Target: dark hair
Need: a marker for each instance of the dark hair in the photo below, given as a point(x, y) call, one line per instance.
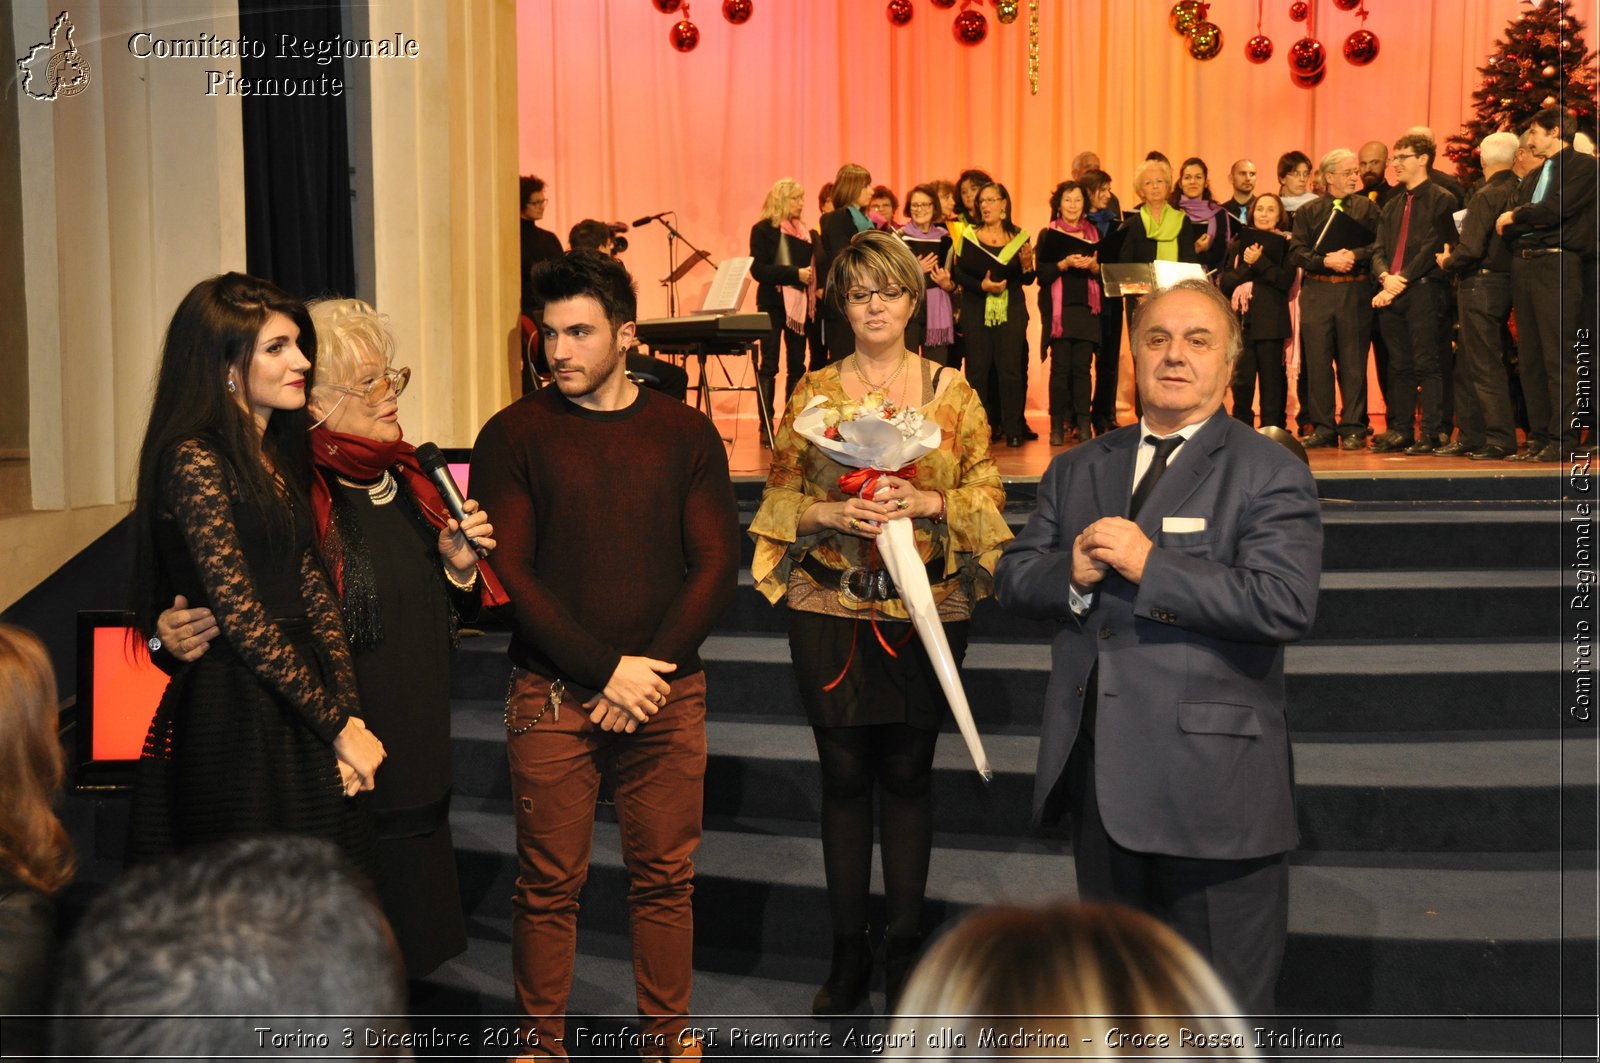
point(848, 183)
point(825, 197)
point(1557, 121)
point(257, 926)
point(530, 184)
point(1177, 179)
point(34, 847)
point(1093, 181)
point(885, 192)
point(1156, 156)
point(601, 277)
point(978, 178)
point(1291, 160)
point(212, 333)
point(931, 190)
point(1283, 212)
point(588, 235)
point(1417, 144)
point(1006, 223)
point(1062, 189)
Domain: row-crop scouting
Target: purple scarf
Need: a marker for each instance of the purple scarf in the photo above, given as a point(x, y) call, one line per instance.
point(1083, 230)
point(1202, 212)
point(941, 319)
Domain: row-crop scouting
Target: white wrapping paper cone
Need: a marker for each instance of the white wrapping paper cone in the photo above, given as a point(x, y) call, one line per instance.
point(898, 547)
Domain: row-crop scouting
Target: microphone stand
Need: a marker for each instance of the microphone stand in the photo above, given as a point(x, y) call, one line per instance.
point(671, 279)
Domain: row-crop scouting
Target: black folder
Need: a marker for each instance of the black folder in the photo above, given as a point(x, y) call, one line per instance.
point(1342, 233)
point(939, 248)
point(1273, 243)
point(1055, 245)
point(979, 260)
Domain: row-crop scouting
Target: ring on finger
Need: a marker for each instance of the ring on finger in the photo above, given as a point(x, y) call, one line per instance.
point(902, 504)
point(854, 524)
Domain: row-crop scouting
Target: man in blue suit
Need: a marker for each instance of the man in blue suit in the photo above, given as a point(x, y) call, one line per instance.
point(1178, 556)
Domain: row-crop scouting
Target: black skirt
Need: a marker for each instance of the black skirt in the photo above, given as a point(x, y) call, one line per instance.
point(877, 688)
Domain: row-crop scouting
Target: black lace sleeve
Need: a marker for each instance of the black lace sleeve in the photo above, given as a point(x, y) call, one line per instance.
point(328, 623)
point(196, 494)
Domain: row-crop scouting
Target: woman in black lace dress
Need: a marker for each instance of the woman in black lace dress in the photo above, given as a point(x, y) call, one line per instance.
point(264, 734)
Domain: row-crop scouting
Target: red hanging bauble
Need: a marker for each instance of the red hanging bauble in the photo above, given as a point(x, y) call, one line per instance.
point(1258, 49)
point(1346, 5)
point(1185, 16)
point(1206, 41)
point(1361, 47)
point(737, 12)
point(1311, 80)
point(945, 4)
point(667, 7)
point(971, 27)
point(900, 12)
point(1299, 11)
point(1307, 56)
point(684, 36)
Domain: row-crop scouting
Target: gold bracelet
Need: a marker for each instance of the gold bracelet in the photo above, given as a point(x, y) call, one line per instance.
point(457, 584)
point(938, 518)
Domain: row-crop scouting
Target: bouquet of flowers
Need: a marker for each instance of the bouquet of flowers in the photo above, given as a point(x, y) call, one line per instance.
point(888, 440)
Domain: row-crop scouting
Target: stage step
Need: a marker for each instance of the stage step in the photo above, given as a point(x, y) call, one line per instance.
point(1493, 791)
point(1460, 685)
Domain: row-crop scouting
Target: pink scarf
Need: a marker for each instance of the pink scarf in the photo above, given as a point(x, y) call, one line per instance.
point(799, 305)
point(941, 318)
point(1083, 229)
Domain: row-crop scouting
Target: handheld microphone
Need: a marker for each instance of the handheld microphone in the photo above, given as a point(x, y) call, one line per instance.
point(647, 219)
point(433, 463)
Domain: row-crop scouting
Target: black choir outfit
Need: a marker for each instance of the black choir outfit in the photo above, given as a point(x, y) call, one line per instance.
point(1108, 355)
point(1481, 263)
point(1002, 346)
point(1414, 325)
point(1267, 325)
point(779, 256)
point(1553, 235)
point(835, 231)
point(1072, 352)
point(1335, 321)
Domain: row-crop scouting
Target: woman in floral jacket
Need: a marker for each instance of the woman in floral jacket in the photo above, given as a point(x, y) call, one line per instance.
point(870, 693)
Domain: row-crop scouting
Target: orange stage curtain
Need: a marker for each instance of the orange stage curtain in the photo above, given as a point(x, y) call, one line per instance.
point(621, 125)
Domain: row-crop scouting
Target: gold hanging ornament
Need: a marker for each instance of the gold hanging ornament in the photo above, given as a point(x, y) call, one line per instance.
point(1033, 47)
point(1005, 11)
point(1186, 15)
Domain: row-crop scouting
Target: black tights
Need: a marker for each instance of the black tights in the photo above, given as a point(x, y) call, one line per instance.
point(899, 760)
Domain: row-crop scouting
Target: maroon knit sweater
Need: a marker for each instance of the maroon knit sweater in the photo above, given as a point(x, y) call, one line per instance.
point(617, 531)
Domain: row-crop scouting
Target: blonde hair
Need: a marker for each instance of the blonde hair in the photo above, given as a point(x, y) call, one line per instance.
point(350, 334)
point(34, 847)
point(1045, 968)
point(874, 257)
point(1161, 167)
point(776, 208)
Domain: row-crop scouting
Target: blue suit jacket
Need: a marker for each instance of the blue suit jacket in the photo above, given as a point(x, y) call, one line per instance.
point(1191, 738)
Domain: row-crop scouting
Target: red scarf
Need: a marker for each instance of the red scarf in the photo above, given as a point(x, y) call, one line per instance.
point(360, 458)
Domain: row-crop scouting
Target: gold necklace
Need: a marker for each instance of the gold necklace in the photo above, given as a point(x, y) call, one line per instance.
point(880, 391)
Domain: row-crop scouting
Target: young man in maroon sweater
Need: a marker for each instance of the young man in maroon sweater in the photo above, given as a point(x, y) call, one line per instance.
point(621, 549)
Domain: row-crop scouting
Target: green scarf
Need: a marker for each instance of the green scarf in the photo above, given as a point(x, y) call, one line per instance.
point(1165, 234)
point(994, 303)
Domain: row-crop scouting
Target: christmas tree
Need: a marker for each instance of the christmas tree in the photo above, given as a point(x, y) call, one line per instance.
point(1541, 62)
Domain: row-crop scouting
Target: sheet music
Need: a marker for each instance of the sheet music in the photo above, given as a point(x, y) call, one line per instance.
point(1169, 273)
point(728, 287)
point(1460, 218)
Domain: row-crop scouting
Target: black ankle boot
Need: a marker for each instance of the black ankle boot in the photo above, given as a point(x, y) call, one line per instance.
point(848, 974)
point(899, 956)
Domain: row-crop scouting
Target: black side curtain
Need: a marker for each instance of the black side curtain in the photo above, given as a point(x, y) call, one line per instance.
point(298, 232)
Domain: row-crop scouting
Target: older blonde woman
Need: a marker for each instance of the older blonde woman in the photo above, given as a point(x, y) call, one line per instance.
point(1159, 230)
point(876, 714)
point(402, 568)
point(1064, 974)
point(782, 248)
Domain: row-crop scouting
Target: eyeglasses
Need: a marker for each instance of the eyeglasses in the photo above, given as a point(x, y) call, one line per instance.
point(375, 391)
point(861, 296)
point(919, 206)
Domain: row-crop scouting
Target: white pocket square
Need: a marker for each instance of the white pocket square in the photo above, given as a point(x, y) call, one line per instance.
point(1183, 525)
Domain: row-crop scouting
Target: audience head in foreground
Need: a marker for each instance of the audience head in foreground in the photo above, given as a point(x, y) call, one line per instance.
point(1038, 968)
point(274, 926)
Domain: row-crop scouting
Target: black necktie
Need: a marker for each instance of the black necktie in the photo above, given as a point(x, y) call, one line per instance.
point(1158, 465)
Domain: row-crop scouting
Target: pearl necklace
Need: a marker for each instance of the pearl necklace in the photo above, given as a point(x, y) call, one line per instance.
point(381, 493)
